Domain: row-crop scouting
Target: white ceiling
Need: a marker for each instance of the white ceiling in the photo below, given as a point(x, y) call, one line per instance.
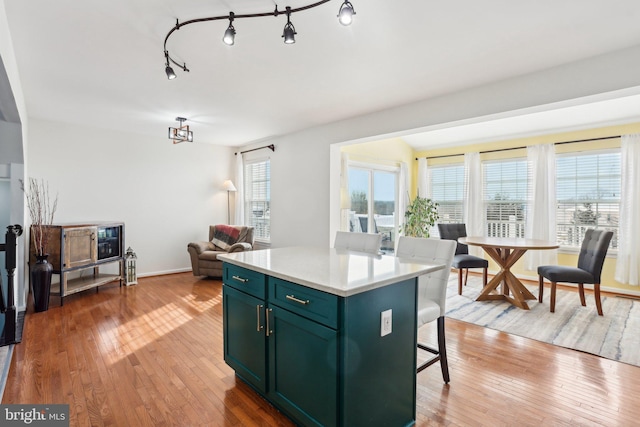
point(102, 64)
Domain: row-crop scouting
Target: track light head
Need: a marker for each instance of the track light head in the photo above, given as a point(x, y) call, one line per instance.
point(170, 73)
point(346, 12)
point(230, 34)
point(289, 33)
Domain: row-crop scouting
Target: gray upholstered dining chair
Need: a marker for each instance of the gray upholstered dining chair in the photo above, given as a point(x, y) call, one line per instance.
point(432, 291)
point(361, 242)
point(592, 253)
point(462, 260)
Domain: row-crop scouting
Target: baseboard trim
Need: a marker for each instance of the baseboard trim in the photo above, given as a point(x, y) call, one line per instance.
point(165, 272)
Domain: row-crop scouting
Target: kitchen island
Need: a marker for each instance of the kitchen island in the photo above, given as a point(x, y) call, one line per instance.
point(327, 336)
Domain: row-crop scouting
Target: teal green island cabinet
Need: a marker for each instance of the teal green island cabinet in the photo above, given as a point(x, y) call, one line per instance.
point(303, 327)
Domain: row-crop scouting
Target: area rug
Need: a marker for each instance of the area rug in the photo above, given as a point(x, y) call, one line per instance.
point(615, 336)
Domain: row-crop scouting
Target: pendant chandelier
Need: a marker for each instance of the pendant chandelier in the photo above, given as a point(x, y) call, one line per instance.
point(345, 17)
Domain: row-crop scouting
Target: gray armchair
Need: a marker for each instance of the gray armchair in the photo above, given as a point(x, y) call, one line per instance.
point(223, 239)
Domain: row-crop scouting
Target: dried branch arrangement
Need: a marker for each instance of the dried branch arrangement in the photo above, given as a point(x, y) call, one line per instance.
point(41, 211)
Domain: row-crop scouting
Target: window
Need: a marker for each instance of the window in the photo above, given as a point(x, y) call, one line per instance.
point(447, 189)
point(257, 196)
point(505, 185)
point(588, 192)
point(377, 213)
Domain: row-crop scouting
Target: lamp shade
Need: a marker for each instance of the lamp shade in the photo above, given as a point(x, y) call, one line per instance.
point(228, 186)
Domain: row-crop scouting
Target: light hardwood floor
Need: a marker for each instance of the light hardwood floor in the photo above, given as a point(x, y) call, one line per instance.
point(151, 355)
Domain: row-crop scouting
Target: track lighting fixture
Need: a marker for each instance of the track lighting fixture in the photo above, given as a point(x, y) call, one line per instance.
point(346, 12)
point(181, 133)
point(289, 32)
point(230, 35)
point(345, 17)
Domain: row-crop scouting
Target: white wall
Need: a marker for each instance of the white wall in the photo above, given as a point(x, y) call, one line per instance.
point(14, 165)
point(304, 171)
point(167, 195)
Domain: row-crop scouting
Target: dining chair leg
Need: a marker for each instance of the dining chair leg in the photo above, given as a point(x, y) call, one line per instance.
point(466, 276)
point(540, 288)
point(581, 292)
point(442, 350)
point(596, 291)
point(460, 281)
point(484, 277)
point(552, 304)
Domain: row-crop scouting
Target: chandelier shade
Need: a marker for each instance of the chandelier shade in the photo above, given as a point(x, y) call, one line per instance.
point(181, 133)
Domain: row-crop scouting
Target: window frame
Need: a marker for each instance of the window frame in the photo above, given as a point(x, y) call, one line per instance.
point(574, 249)
point(518, 225)
point(248, 203)
point(371, 169)
point(458, 205)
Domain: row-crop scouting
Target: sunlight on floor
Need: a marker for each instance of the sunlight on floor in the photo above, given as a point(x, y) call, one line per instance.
point(159, 322)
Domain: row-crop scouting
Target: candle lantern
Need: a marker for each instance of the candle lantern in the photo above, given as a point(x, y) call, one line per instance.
point(131, 276)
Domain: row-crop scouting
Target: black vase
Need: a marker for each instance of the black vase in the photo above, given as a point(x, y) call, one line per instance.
point(41, 282)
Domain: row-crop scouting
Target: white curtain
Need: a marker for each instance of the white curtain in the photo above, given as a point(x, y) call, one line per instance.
point(403, 194)
point(628, 261)
point(239, 211)
point(473, 211)
point(423, 184)
point(345, 197)
point(541, 209)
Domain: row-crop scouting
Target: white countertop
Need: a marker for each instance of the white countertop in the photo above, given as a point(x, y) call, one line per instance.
point(336, 271)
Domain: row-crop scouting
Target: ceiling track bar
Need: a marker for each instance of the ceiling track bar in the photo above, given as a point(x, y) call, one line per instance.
point(270, 147)
point(520, 148)
point(276, 12)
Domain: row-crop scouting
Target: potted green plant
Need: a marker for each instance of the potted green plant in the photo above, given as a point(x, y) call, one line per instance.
point(420, 216)
point(41, 210)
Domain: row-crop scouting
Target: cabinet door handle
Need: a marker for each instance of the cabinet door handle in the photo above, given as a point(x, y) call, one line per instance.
point(299, 301)
point(240, 279)
point(269, 331)
point(258, 311)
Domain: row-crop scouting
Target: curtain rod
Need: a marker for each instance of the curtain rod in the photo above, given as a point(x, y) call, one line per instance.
point(519, 148)
point(271, 147)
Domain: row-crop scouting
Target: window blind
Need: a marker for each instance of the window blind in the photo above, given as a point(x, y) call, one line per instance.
point(505, 190)
point(447, 189)
point(588, 191)
point(257, 180)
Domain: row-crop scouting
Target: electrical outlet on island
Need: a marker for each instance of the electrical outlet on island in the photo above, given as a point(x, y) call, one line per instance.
point(385, 323)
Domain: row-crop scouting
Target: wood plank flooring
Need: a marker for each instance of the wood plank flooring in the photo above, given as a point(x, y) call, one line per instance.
point(151, 355)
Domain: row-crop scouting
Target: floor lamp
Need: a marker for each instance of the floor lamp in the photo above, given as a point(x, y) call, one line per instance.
point(228, 185)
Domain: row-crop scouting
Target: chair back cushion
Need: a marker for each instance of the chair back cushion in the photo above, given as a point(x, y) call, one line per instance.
point(432, 287)
point(361, 242)
point(454, 232)
point(593, 251)
point(225, 236)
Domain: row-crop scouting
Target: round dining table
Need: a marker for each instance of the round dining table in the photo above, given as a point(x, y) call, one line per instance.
point(505, 251)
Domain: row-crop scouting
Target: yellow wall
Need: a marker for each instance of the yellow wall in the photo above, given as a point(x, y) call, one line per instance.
point(388, 152)
point(570, 259)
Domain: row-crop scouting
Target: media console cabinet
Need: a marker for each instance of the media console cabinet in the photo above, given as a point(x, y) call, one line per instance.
point(80, 249)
